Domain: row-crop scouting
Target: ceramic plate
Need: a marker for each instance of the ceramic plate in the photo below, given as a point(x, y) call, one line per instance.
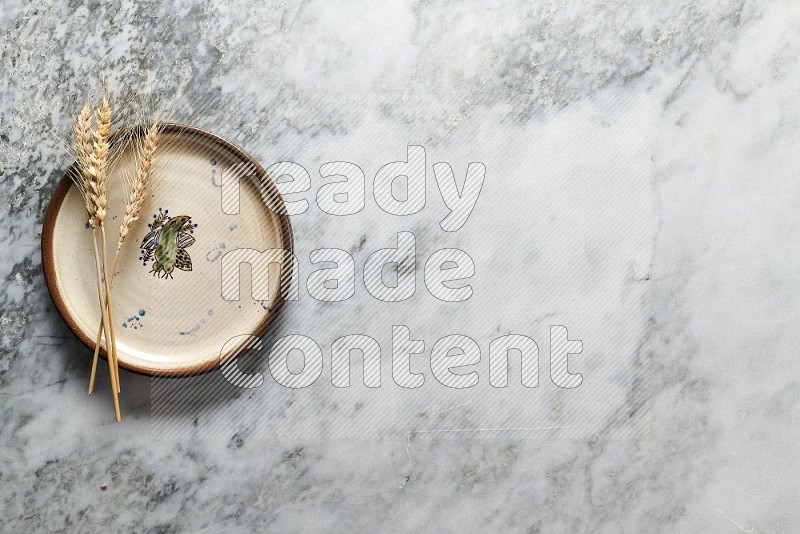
point(178, 324)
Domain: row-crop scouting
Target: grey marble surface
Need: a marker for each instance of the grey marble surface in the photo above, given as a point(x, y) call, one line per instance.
point(641, 189)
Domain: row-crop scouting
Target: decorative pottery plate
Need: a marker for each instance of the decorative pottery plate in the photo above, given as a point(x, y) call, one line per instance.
point(170, 319)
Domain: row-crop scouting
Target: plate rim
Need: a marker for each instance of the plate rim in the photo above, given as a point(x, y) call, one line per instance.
point(48, 260)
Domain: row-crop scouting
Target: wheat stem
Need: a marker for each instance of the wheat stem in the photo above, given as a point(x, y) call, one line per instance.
point(105, 328)
point(104, 310)
point(101, 328)
point(110, 308)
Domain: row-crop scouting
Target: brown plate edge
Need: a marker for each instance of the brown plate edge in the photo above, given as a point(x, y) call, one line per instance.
point(48, 263)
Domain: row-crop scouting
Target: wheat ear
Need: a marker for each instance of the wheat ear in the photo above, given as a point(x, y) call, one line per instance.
point(140, 184)
point(83, 148)
point(139, 187)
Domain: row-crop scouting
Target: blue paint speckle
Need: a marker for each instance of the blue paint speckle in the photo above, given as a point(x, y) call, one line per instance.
point(134, 321)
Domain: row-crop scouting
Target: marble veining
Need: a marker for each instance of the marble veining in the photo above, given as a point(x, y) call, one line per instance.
point(641, 189)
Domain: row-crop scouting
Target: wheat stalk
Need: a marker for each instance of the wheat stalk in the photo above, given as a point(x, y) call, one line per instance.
point(91, 185)
point(137, 194)
point(99, 162)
